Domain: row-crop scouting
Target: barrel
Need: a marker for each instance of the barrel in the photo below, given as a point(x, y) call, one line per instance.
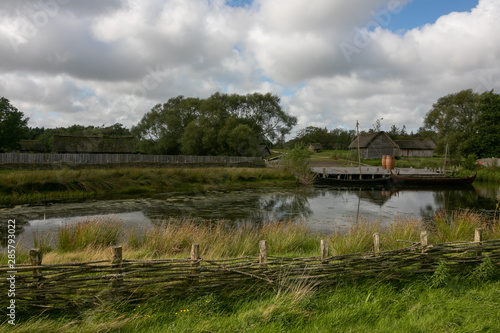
point(390, 162)
point(384, 161)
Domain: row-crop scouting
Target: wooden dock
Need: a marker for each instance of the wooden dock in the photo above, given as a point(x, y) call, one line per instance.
point(368, 172)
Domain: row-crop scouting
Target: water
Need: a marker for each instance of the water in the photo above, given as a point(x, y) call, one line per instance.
point(323, 208)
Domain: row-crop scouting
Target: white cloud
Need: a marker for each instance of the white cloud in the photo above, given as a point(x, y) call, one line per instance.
point(112, 61)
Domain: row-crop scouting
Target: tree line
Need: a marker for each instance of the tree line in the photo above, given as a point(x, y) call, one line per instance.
point(230, 124)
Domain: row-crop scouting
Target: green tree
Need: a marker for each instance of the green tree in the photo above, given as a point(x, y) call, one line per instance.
point(13, 126)
point(160, 130)
point(454, 118)
point(485, 139)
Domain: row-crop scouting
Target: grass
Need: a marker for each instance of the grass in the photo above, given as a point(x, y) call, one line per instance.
point(368, 306)
point(440, 302)
point(39, 186)
point(222, 239)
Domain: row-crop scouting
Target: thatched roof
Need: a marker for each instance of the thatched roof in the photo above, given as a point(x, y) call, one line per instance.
point(94, 144)
point(316, 146)
point(416, 144)
point(366, 139)
point(264, 150)
point(32, 146)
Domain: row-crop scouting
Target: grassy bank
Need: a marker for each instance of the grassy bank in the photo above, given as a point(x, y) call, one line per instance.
point(38, 186)
point(370, 306)
point(90, 239)
point(438, 302)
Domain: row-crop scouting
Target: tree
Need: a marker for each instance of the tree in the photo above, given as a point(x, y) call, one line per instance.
point(219, 125)
point(13, 126)
point(485, 139)
point(160, 130)
point(453, 117)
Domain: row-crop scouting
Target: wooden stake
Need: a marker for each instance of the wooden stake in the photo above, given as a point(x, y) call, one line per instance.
point(324, 249)
point(116, 262)
point(195, 256)
point(263, 253)
point(376, 242)
point(478, 237)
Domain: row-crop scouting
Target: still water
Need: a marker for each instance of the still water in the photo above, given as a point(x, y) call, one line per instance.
point(322, 208)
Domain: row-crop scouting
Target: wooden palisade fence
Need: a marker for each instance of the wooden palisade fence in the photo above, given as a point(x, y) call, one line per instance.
point(85, 283)
point(117, 159)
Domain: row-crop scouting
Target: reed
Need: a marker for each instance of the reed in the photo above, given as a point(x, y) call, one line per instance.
point(88, 233)
point(20, 187)
point(456, 226)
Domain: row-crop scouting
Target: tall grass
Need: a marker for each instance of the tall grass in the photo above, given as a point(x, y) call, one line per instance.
point(18, 187)
point(96, 233)
point(224, 239)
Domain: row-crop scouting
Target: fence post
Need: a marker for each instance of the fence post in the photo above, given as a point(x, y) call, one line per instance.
point(376, 243)
point(324, 249)
point(478, 237)
point(116, 264)
point(36, 257)
point(423, 239)
point(263, 253)
point(195, 255)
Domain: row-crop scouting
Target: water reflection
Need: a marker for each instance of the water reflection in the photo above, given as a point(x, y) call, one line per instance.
point(323, 208)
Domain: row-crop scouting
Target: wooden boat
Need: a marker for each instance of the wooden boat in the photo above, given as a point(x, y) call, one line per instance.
point(432, 180)
point(367, 182)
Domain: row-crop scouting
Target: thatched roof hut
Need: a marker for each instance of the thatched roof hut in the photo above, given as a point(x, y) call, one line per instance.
point(315, 147)
point(32, 146)
point(416, 148)
point(374, 145)
point(264, 150)
point(94, 144)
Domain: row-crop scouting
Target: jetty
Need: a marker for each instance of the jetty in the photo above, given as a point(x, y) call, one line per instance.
point(369, 172)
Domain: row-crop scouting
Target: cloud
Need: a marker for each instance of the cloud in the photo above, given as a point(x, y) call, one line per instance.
point(66, 62)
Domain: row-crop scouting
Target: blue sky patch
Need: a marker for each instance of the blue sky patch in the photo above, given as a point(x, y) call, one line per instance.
point(239, 3)
point(418, 13)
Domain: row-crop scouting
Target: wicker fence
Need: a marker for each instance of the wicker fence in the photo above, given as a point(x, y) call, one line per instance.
point(86, 283)
point(113, 159)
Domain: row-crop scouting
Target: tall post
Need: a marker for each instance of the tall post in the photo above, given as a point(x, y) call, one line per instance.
point(324, 249)
point(195, 256)
point(376, 243)
point(478, 237)
point(359, 155)
point(36, 257)
point(423, 239)
point(116, 264)
point(263, 253)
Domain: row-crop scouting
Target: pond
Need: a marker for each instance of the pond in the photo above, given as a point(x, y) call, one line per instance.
point(322, 208)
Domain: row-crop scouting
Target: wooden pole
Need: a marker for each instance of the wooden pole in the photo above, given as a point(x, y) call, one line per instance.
point(423, 239)
point(376, 242)
point(359, 155)
point(195, 256)
point(116, 264)
point(478, 237)
point(324, 249)
point(263, 253)
point(36, 257)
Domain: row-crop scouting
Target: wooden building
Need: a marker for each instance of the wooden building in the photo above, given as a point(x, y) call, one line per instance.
point(264, 150)
point(94, 144)
point(374, 145)
point(416, 148)
point(32, 146)
point(315, 147)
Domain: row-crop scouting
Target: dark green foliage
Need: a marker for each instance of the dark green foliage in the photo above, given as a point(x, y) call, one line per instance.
point(470, 162)
point(219, 125)
point(441, 276)
point(485, 140)
point(335, 139)
point(468, 121)
point(13, 126)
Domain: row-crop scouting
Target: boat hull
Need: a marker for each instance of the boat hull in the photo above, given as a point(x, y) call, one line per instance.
point(432, 180)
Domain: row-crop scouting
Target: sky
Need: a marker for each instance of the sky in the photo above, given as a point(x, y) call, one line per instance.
point(332, 62)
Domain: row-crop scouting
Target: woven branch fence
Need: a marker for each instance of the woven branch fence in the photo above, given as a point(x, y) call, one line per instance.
point(86, 283)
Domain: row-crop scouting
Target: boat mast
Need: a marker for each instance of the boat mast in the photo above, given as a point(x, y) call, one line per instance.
point(359, 155)
point(444, 164)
